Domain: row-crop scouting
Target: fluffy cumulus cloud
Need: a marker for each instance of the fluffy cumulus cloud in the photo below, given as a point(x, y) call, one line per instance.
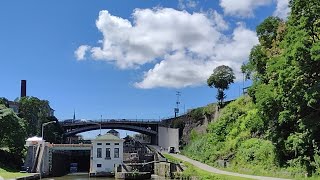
point(81, 52)
point(185, 47)
point(183, 69)
point(242, 8)
point(282, 9)
point(154, 34)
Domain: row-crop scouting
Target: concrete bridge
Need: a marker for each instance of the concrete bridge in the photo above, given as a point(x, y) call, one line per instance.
point(159, 134)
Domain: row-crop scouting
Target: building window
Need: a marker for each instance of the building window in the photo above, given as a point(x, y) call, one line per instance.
point(99, 153)
point(99, 165)
point(108, 156)
point(99, 144)
point(116, 143)
point(116, 152)
point(107, 143)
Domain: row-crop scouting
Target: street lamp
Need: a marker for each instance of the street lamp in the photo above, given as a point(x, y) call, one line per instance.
point(99, 126)
point(43, 125)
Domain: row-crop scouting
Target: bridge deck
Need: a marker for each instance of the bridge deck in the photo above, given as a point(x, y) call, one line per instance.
point(69, 122)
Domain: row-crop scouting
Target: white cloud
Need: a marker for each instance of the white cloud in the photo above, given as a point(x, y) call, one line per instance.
point(282, 9)
point(81, 52)
point(187, 4)
point(183, 69)
point(184, 47)
point(242, 8)
point(154, 34)
point(176, 71)
point(220, 23)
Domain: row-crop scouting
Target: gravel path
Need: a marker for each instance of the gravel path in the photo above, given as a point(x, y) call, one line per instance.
point(218, 171)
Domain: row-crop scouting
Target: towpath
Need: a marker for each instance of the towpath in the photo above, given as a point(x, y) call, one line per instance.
point(218, 171)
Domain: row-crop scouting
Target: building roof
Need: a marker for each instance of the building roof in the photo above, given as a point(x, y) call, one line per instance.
point(13, 103)
point(35, 138)
point(112, 131)
point(108, 137)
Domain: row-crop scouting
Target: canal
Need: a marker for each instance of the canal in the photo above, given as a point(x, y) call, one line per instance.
point(79, 177)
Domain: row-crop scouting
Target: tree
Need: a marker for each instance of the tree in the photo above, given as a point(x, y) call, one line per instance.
point(12, 131)
point(267, 31)
point(221, 78)
point(4, 101)
point(53, 132)
point(35, 112)
point(286, 88)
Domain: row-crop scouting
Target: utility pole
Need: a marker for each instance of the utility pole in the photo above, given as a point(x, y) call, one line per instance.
point(176, 110)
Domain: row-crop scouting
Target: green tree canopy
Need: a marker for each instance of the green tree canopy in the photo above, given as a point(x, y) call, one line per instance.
point(53, 132)
point(287, 80)
point(221, 78)
point(35, 112)
point(12, 131)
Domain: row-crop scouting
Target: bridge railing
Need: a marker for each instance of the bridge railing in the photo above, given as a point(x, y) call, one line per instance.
point(78, 121)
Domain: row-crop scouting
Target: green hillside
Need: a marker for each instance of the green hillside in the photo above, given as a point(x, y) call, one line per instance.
point(275, 129)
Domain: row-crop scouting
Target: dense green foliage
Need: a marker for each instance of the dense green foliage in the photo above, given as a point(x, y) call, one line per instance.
point(278, 126)
point(35, 111)
point(53, 132)
point(234, 137)
point(12, 131)
point(221, 78)
point(16, 128)
point(286, 83)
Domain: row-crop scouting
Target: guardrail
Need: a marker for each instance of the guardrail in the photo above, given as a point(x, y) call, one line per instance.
point(109, 121)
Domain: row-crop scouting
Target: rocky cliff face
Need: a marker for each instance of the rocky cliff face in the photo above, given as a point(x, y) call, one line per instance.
point(187, 123)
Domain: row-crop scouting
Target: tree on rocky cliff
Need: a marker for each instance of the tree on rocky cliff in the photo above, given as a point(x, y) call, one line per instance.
point(221, 78)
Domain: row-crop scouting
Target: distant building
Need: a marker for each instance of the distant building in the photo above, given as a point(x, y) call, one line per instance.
point(106, 152)
point(51, 112)
point(14, 106)
point(133, 147)
point(114, 132)
point(142, 138)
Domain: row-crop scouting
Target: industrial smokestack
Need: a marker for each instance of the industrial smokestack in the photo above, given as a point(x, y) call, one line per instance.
point(23, 88)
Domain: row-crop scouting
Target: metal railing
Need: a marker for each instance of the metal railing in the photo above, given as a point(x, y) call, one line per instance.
point(78, 121)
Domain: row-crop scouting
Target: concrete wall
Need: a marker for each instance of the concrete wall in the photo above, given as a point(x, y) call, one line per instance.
point(168, 137)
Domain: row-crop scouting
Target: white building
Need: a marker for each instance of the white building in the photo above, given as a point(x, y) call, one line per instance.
point(106, 152)
point(114, 132)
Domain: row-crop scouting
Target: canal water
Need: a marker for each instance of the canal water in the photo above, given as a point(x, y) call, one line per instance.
point(78, 177)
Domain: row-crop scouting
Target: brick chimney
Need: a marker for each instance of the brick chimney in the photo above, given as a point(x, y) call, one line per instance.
point(23, 88)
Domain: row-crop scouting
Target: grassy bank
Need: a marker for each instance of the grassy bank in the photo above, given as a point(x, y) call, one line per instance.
point(193, 171)
point(8, 174)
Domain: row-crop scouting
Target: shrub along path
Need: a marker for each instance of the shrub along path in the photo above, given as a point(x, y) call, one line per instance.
point(218, 171)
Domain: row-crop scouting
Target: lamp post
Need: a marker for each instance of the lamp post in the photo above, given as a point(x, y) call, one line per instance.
point(100, 123)
point(99, 126)
point(43, 125)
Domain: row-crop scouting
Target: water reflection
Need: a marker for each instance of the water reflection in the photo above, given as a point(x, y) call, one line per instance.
point(79, 177)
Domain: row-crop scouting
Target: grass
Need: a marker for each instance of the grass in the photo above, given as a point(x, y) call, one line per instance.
point(202, 174)
point(7, 174)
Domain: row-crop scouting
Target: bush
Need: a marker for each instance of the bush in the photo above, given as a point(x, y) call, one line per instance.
point(257, 152)
point(196, 114)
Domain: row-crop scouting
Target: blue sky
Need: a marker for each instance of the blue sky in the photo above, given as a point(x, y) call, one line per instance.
point(133, 60)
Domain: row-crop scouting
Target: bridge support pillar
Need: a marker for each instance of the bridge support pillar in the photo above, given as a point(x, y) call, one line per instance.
point(154, 140)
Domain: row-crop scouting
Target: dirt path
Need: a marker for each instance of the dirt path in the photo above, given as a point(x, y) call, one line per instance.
point(218, 171)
